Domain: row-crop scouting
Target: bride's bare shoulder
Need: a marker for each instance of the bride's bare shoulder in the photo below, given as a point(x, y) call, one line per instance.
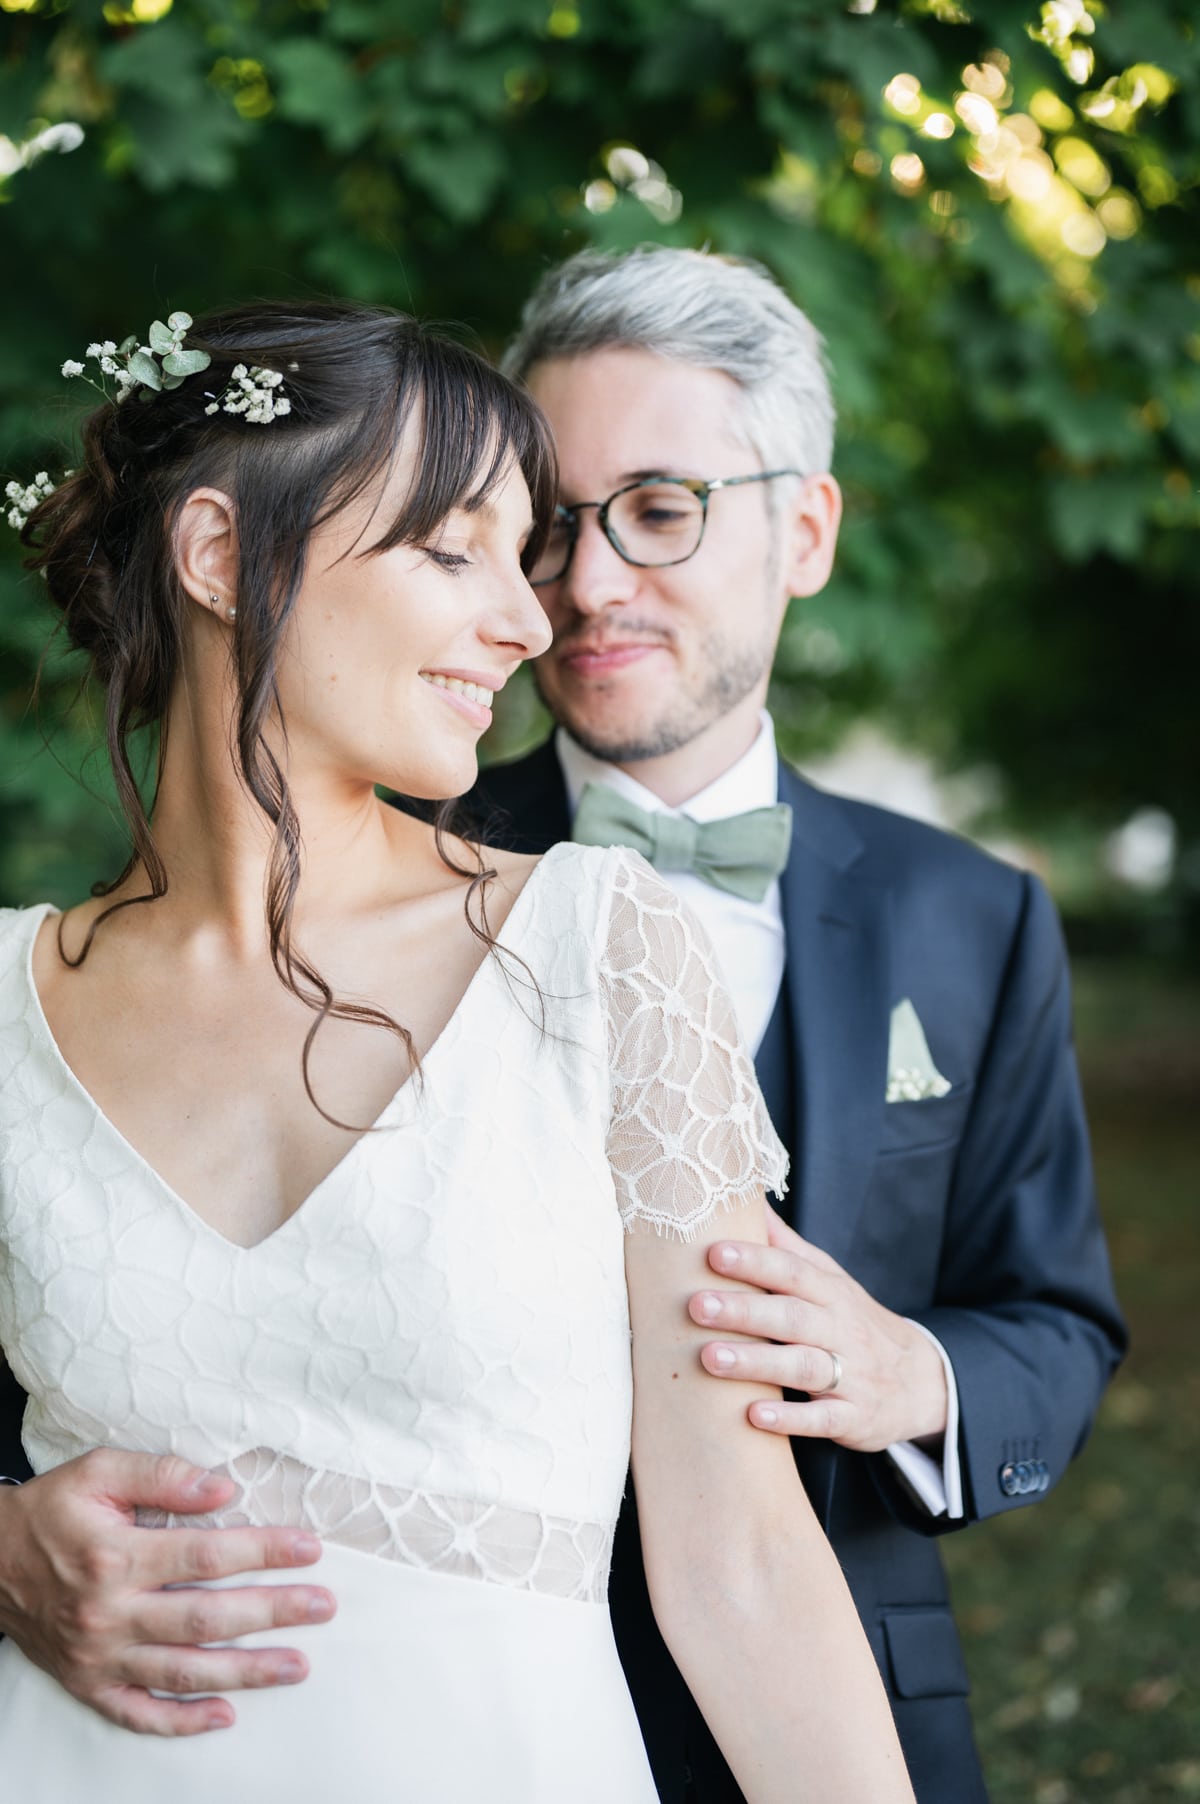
point(512, 871)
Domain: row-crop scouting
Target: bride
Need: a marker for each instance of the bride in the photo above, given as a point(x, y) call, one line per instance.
point(363, 1166)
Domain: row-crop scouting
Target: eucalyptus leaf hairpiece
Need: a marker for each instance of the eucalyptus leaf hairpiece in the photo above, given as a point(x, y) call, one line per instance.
point(252, 392)
point(161, 364)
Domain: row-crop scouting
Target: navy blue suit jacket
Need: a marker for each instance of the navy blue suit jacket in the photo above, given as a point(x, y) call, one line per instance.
point(972, 1213)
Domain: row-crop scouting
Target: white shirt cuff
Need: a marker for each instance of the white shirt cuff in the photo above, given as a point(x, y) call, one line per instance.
point(938, 1488)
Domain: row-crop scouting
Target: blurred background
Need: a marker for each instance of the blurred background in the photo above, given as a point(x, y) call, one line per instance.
point(989, 208)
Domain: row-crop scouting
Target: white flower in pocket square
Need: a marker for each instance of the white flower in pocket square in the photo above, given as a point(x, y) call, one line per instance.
point(912, 1075)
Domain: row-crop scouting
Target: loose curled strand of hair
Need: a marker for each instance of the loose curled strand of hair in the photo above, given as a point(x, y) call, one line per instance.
point(449, 821)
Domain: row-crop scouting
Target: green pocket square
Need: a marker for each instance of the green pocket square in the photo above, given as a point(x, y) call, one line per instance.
point(912, 1075)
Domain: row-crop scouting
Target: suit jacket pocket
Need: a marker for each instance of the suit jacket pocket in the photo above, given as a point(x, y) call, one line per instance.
point(925, 1657)
point(910, 1126)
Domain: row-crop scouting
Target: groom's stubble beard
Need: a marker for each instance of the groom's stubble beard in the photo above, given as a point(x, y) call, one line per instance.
point(725, 674)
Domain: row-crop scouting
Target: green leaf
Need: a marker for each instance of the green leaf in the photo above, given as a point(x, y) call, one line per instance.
point(1088, 425)
point(160, 339)
point(146, 370)
point(461, 177)
point(177, 146)
point(318, 86)
point(186, 363)
point(1101, 513)
point(179, 322)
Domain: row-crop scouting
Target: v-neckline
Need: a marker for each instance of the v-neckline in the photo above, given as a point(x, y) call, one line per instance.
point(515, 917)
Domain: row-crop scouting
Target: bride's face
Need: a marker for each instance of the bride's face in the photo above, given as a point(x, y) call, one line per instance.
point(389, 663)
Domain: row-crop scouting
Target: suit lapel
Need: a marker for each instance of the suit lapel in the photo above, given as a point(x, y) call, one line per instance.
point(836, 923)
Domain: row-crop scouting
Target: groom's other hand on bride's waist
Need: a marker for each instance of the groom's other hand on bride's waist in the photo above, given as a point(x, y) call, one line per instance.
point(872, 1377)
point(82, 1591)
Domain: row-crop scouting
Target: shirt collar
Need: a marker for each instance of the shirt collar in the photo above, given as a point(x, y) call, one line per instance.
point(753, 782)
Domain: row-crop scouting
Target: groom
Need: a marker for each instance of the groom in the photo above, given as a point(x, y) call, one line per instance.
point(946, 1325)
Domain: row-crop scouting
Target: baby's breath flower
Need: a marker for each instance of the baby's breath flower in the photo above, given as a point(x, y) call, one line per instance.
point(253, 394)
point(72, 368)
point(25, 500)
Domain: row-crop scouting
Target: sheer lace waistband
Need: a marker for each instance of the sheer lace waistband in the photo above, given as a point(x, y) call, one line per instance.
point(455, 1535)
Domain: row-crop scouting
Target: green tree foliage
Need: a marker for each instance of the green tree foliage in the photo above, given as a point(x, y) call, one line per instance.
point(987, 207)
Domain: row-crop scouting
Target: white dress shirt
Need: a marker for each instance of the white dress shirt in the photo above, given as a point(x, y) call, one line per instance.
point(749, 941)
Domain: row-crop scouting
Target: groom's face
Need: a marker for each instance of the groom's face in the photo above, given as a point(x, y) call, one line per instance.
point(645, 661)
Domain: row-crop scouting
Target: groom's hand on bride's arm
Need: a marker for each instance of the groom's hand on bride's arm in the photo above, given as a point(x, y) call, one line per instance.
point(81, 1591)
point(805, 1309)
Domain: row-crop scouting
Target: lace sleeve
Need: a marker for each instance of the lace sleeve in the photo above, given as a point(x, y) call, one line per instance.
point(689, 1131)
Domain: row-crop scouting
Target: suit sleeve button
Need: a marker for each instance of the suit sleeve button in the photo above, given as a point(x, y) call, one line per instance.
point(1010, 1484)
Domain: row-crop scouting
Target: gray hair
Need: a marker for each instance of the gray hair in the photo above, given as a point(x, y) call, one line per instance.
point(720, 313)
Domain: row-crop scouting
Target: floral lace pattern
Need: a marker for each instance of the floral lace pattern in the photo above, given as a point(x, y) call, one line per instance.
point(456, 1535)
point(689, 1132)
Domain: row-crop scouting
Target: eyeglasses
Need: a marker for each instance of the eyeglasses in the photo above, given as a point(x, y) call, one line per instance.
point(650, 524)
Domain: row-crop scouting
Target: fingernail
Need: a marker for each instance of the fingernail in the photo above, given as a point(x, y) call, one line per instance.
point(205, 1486)
point(722, 1358)
point(320, 1609)
point(291, 1672)
point(306, 1547)
point(765, 1416)
point(710, 1308)
point(217, 1722)
point(728, 1255)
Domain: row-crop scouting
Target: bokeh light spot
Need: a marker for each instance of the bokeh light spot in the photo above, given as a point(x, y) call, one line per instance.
point(903, 95)
point(1083, 234)
point(1119, 214)
point(908, 171)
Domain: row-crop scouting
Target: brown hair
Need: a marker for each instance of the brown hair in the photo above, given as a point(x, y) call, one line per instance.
point(354, 376)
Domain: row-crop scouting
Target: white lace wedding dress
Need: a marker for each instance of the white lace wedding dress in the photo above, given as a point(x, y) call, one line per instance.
point(428, 1363)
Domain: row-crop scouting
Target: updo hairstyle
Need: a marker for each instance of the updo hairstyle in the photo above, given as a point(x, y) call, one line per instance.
point(354, 377)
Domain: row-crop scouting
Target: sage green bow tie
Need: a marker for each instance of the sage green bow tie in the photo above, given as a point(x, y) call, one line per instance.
point(742, 854)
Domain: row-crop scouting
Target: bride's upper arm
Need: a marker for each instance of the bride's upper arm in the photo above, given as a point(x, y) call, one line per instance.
point(704, 1477)
point(691, 1149)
